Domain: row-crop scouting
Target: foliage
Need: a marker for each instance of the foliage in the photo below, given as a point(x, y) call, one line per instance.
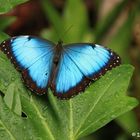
point(53, 119)
point(6, 5)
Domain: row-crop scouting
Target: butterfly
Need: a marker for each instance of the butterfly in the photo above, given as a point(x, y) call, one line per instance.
point(66, 69)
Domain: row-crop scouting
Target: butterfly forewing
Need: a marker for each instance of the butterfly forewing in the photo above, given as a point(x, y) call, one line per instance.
point(32, 56)
point(79, 65)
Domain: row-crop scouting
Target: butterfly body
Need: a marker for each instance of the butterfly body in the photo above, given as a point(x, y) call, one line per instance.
point(66, 69)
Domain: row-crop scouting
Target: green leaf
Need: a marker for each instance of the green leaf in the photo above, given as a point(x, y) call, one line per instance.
point(5, 22)
point(54, 19)
point(53, 119)
point(12, 98)
point(105, 24)
point(76, 25)
point(121, 40)
point(68, 27)
point(7, 73)
point(128, 122)
point(3, 36)
point(7, 5)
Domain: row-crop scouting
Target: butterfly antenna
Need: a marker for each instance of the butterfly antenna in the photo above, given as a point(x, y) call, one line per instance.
point(57, 32)
point(65, 32)
point(61, 36)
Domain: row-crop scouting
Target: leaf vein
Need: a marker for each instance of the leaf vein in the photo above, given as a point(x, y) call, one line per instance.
point(44, 122)
point(94, 105)
point(12, 137)
point(71, 120)
point(95, 122)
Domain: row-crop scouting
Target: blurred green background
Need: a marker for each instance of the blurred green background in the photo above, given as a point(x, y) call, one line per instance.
point(111, 23)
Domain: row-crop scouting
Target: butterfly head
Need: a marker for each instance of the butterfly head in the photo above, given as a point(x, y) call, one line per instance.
point(60, 42)
point(59, 46)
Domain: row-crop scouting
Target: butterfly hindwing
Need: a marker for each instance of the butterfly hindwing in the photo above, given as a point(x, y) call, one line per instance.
point(79, 65)
point(33, 57)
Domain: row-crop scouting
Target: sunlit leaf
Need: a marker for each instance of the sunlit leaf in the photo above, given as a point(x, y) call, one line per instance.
point(12, 98)
point(54, 119)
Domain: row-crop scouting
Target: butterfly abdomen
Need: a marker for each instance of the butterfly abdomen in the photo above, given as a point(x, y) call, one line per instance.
point(56, 59)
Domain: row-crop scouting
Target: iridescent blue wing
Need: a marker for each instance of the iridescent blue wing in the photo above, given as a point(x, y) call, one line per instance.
point(33, 57)
point(79, 65)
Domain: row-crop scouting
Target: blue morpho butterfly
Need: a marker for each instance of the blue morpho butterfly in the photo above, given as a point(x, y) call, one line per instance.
point(66, 69)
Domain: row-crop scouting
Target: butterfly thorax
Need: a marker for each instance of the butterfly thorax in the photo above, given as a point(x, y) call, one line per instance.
point(58, 50)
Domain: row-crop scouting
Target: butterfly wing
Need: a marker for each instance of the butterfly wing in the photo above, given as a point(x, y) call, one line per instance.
point(33, 57)
point(79, 65)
